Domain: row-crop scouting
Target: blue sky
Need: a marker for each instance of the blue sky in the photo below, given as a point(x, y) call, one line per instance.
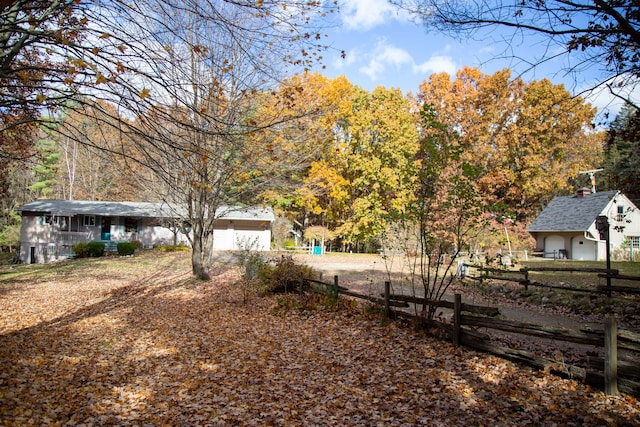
point(384, 47)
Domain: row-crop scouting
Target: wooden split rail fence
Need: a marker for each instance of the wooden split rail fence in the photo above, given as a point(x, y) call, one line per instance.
point(488, 273)
point(609, 373)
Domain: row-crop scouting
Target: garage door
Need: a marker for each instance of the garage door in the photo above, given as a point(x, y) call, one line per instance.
point(553, 244)
point(583, 249)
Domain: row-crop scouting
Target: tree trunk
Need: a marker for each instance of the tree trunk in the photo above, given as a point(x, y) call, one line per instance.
point(201, 256)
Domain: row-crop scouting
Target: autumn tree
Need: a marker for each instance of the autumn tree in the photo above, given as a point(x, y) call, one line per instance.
point(306, 104)
point(35, 40)
point(445, 210)
point(528, 139)
point(93, 162)
point(315, 195)
point(360, 184)
point(378, 140)
point(601, 34)
point(34, 36)
point(190, 78)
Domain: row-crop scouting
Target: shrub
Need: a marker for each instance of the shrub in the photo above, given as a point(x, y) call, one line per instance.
point(284, 275)
point(95, 249)
point(81, 250)
point(251, 262)
point(138, 244)
point(289, 244)
point(126, 248)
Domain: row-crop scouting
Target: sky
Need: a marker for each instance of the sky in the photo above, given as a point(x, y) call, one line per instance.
point(385, 47)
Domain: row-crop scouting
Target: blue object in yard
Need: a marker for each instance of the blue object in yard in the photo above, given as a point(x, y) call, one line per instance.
point(317, 250)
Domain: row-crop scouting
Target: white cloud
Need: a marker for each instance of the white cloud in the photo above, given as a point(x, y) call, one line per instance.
point(385, 56)
point(363, 15)
point(436, 64)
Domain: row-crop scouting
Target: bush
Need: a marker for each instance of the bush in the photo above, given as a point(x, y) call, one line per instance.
point(284, 276)
point(126, 248)
point(81, 250)
point(95, 249)
point(251, 262)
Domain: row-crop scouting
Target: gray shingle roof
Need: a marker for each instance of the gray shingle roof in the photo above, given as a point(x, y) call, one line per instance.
point(572, 213)
point(135, 209)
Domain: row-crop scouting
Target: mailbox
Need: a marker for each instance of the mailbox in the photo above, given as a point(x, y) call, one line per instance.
point(602, 225)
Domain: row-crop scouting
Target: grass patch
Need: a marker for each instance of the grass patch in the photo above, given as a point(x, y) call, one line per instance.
point(95, 267)
point(581, 278)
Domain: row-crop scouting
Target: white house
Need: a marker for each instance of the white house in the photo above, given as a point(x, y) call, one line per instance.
point(50, 228)
point(566, 228)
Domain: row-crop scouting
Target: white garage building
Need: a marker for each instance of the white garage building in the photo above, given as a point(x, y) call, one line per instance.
point(566, 228)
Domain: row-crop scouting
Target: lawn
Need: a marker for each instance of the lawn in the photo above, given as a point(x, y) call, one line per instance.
point(136, 341)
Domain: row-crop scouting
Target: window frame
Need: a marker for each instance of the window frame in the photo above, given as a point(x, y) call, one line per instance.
point(88, 220)
point(130, 225)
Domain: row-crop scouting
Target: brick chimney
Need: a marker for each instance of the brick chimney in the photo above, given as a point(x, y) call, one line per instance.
point(583, 192)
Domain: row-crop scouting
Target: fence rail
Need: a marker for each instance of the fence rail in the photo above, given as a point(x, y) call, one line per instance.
point(608, 373)
point(508, 275)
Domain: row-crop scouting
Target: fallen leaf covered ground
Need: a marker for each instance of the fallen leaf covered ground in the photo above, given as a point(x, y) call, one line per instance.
point(135, 341)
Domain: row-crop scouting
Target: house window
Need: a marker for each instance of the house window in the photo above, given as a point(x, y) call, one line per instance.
point(620, 214)
point(130, 225)
point(635, 242)
point(61, 222)
point(89, 221)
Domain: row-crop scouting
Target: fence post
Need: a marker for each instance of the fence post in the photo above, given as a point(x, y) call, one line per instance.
point(611, 356)
point(335, 287)
point(387, 295)
point(457, 306)
point(481, 274)
point(526, 278)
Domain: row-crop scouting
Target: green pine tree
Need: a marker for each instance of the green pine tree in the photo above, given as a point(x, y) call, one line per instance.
point(622, 154)
point(45, 169)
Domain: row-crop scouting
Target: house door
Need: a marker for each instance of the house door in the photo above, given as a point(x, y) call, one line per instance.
point(552, 246)
point(32, 255)
point(105, 230)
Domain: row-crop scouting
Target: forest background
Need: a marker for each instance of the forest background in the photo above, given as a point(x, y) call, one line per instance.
point(167, 103)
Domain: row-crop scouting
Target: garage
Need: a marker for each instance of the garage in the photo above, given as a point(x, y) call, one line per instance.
point(553, 245)
point(248, 229)
point(583, 249)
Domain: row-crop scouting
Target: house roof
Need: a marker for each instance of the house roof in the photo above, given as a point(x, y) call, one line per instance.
point(572, 213)
point(137, 209)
